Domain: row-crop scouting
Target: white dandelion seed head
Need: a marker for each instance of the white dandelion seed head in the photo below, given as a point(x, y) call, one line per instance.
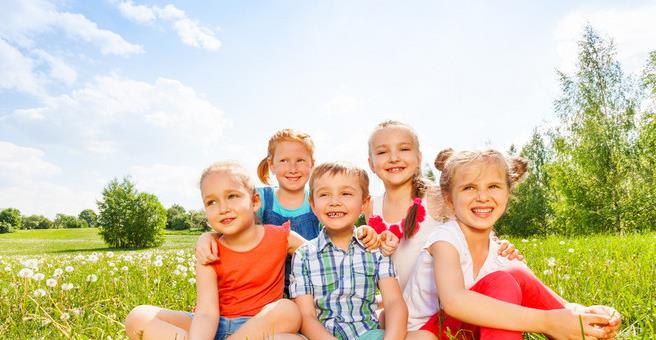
point(92, 278)
point(561, 242)
point(179, 252)
point(26, 273)
point(524, 241)
point(51, 283)
point(69, 269)
point(67, 286)
point(39, 292)
point(180, 259)
point(58, 272)
point(79, 258)
point(182, 268)
point(551, 262)
point(76, 311)
point(566, 277)
point(92, 258)
point(547, 272)
point(156, 281)
point(157, 263)
point(65, 316)
point(45, 322)
point(158, 258)
point(192, 281)
point(124, 268)
point(7, 268)
point(176, 272)
point(128, 258)
point(111, 264)
point(571, 250)
point(109, 254)
point(38, 277)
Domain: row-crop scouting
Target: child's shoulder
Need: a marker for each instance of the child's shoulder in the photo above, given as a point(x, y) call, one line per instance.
point(449, 232)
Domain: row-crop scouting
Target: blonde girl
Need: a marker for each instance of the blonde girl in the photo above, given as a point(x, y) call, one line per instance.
point(482, 295)
point(240, 295)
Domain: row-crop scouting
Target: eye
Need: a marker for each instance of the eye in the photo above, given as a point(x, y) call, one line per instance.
point(210, 202)
point(468, 187)
point(323, 194)
point(346, 193)
point(301, 161)
point(381, 152)
point(232, 196)
point(495, 186)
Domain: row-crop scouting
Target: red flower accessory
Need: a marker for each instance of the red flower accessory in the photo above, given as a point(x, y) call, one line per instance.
point(379, 225)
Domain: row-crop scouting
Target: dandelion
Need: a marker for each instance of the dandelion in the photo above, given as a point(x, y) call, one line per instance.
point(39, 292)
point(124, 268)
point(51, 283)
point(534, 240)
point(561, 242)
point(45, 322)
point(547, 272)
point(109, 254)
point(111, 264)
point(69, 269)
point(58, 272)
point(180, 252)
point(38, 277)
point(182, 268)
point(158, 258)
point(571, 250)
point(65, 316)
point(551, 262)
point(127, 258)
point(157, 263)
point(67, 286)
point(176, 272)
point(77, 311)
point(156, 281)
point(7, 268)
point(180, 259)
point(524, 241)
point(92, 258)
point(192, 281)
point(92, 278)
point(566, 277)
point(26, 273)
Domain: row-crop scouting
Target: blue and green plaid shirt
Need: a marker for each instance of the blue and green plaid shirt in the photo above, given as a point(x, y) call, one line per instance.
point(343, 284)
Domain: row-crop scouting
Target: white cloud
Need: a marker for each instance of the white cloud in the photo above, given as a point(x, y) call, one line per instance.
point(16, 71)
point(633, 31)
point(59, 70)
point(171, 183)
point(47, 198)
point(21, 20)
point(18, 162)
point(190, 31)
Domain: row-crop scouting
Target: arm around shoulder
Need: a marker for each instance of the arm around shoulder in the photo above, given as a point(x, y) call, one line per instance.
point(206, 317)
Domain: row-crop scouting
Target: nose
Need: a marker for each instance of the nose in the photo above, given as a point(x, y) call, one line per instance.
point(483, 195)
point(334, 200)
point(394, 156)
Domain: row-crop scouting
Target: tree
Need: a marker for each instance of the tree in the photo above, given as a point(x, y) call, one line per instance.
point(528, 208)
point(198, 219)
point(177, 218)
point(128, 218)
point(428, 173)
point(89, 216)
point(597, 109)
point(69, 222)
point(12, 219)
point(36, 222)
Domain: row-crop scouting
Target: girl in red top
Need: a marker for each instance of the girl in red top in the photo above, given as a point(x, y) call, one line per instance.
point(240, 295)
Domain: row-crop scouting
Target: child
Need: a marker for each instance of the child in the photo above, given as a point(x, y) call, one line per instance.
point(395, 158)
point(334, 278)
point(239, 295)
point(459, 264)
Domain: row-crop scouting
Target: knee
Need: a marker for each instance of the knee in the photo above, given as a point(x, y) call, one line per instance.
point(137, 319)
point(286, 312)
point(500, 285)
point(521, 275)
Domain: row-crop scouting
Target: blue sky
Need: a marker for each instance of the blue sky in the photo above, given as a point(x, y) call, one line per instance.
point(93, 90)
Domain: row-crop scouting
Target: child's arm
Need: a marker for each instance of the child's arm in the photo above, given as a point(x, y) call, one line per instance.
point(368, 236)
point(206, 316)
point(478, 309)
point(396, 311)
point(388, 243)
point(294, 240)
point(310, 326)
point(207, 250)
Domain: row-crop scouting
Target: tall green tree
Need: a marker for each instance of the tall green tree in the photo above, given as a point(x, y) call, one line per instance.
point(36, 222)
point(128, 218)
point(89, 216)
point(69, 222)
point(528, 210)
point(177, 218)
point(11, 218)
point(597, 109)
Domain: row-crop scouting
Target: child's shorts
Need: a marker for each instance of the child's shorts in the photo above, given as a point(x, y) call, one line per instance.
point(374, 334)
point(227, 326)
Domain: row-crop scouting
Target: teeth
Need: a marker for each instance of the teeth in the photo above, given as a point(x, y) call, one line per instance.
point(395, 170)
point(482, 210)
point(336, 214)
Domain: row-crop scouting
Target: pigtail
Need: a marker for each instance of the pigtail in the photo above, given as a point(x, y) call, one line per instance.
point(419, 186)
point(518, 170)
point(263, 170)
point(442, 158)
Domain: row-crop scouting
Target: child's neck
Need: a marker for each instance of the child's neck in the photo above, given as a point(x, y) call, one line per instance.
point(477, 239)
point(290, 199)
point(340, 238)
point(245, 240)
point(396, 201)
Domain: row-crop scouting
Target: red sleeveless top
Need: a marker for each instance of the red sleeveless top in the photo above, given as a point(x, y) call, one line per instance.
point(250, 280)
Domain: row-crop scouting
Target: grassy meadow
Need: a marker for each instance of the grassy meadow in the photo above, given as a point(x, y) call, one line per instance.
point(68, 284)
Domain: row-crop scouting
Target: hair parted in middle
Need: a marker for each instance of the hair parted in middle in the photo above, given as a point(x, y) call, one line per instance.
point(284, 135)
point(231, 168)
point(419, 184)
point(448, 161)
point(340, 168)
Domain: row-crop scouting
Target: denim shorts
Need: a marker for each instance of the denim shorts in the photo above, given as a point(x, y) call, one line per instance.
point(227, 326)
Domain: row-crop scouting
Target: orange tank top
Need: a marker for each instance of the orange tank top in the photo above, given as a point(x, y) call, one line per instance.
point(250, 280)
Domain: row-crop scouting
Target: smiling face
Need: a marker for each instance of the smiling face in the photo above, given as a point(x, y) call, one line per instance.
point(479, 194)
point(229, 205)
point(394, 155)
point(338, 200)
point(291, 164)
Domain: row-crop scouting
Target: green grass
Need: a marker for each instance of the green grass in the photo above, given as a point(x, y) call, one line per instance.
point(616, 270)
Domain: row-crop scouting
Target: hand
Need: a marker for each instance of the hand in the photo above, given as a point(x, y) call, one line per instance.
point(508, 250)
point(388, 243)
point(206, 248)
point(367, 235)
point(615, 319)
point(566, 324)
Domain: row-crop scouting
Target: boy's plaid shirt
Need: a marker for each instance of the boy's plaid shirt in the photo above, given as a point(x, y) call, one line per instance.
point(343, 284)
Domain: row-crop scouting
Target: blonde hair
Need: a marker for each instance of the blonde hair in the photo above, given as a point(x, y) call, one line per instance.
point(448, 161)
point(231, 168)
point(419, 183)
point(339, 168)
point(284, 135)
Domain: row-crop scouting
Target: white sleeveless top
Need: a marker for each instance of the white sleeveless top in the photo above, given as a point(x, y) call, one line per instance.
point(405, 256)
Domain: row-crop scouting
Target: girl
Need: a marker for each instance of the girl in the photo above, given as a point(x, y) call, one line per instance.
point(459, 264)
point(395, 158)
point(241, 293)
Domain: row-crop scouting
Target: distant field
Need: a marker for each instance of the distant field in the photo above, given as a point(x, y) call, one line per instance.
point(67, 284)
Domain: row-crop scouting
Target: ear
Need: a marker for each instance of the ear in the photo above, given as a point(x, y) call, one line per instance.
point(371, 164)
point(257, 201)
point(365, 204)
point(312, 207)
point(449, 201)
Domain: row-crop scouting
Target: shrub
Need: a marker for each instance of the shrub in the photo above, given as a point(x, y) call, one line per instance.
point(69, 222)
point(89, 216)
point(36, 222)
point(130, 219)
point(12, 217)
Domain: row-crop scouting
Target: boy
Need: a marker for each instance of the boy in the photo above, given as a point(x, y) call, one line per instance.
point(334, 277)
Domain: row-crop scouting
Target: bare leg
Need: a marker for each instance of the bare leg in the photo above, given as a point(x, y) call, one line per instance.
point(420, 335)
point(150, 322)
point(281, 318)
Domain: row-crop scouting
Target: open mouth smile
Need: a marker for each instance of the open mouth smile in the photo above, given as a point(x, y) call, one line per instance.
point(482, 212)
point(335, 214)
point(227, 220)
point(395, 169)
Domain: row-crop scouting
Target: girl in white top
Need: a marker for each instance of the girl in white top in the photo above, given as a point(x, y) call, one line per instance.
point(480, 292)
